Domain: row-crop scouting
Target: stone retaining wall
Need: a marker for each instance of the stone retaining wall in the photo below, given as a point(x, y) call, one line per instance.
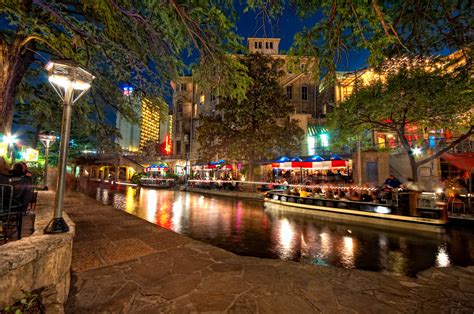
point(38, 261)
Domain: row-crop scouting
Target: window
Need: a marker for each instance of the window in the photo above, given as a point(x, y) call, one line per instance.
point(183, 87)
point(271, 45)
point(304, 92)
point(180, 107)
point(256, 45)
point(259, 45)
point(289, 91)
point(202, 98)
point(178, 147)
point(266, 45)
point(213, 96)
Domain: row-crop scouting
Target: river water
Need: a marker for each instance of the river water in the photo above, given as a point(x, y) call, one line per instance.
point(248, 228)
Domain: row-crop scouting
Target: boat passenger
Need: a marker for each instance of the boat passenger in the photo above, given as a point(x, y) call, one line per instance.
point(355, 197)
point(342, 196)
point(303, 192)
point(329, 194)
point(392, 182)
point(366, 197)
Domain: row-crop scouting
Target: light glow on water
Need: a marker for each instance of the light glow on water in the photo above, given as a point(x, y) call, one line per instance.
point(247, 228)
point(442, 258)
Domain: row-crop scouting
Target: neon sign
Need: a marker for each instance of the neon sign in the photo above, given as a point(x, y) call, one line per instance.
point(167, 145)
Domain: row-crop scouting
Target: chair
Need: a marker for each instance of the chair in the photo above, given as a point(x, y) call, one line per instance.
point(10, 213)
point(456, 204)
point(32, 204)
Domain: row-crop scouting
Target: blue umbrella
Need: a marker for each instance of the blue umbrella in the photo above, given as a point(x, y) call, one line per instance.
point(315, 158)
point(296, 159)
point(282, 159)
point(336, 157)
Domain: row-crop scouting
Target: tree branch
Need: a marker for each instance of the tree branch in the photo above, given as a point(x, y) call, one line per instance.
point(444, 150)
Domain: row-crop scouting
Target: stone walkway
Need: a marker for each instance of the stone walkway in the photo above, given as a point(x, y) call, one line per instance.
point(124, 264)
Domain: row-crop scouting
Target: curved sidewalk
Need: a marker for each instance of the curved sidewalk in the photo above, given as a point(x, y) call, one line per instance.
point(124, 264)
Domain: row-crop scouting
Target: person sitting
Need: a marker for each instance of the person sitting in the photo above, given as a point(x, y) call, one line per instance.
point(22, 185)
point(4, 172)
point(303, 192)
point(366, 197)
point(342, 196)
point(392, 182)
point(329, 195)
point(355, 197)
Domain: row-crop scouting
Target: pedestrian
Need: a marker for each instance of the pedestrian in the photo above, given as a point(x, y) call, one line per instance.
point(392, 182)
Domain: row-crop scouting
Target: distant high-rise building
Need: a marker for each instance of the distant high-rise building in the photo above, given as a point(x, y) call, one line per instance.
point(150, 124)
point(129, 131)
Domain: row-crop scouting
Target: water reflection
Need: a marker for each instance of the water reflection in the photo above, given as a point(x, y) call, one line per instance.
point(246, 228)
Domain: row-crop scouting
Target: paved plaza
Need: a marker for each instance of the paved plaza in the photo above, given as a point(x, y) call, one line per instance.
point(124, 264)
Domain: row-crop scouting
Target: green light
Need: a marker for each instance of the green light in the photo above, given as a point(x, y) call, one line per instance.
point(324, 139)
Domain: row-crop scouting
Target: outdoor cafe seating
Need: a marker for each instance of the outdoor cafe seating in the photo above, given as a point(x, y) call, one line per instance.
point(11, 213)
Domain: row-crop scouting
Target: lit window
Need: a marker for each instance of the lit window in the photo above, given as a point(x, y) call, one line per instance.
point(289, 92)
point(324, 139)
point(304, 92)
point(202, 98)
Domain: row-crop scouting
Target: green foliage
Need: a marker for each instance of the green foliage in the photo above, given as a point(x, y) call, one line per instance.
point(409, 96)
point(139, 43)
point(137, 176)
point(257, 127)
point(387, 28)
point(30, 303)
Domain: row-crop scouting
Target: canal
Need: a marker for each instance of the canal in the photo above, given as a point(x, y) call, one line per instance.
point(248, 228)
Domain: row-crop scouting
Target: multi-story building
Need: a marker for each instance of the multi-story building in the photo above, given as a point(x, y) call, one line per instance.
point(129, 131)
point(189, 101)
point(149, 125)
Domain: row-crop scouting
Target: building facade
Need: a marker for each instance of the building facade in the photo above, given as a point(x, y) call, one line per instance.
point(130, 131)
point(189, 101)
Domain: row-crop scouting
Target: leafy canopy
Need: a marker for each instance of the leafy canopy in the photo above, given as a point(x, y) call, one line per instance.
point(257, 127)
point(140, 43)
point(419, 98)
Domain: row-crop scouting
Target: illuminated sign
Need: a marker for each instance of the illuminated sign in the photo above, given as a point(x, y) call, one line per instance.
point(167, 143)
point(3, 149)
point(127, 90)
point(30, 155)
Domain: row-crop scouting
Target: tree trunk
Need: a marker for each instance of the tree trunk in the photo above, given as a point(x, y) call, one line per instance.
point(14, 61)
point(250, 173)
point(414, 167)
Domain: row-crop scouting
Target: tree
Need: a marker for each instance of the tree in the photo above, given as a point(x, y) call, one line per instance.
point(118, 41)
point(255, 128)
point(414, 97)
point(386, 28)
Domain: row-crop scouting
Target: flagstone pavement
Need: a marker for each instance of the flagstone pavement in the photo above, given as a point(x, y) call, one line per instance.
point(122, 264)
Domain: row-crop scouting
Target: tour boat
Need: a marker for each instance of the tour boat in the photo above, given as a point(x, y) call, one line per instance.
point(427, 216)
point(157, 183)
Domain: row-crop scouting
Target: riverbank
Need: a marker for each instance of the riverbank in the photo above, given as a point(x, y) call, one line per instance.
point(124, 264)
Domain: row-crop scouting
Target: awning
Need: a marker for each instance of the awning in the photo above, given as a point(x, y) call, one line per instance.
point(463, 161)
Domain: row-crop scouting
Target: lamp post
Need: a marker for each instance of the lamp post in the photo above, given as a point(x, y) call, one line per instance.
point(10, 140)
point(70, 82)
point(47, 140)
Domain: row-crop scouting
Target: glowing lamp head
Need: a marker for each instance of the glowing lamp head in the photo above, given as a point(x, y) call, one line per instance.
point(65, 75)
point(10, 139)
point(417, 151)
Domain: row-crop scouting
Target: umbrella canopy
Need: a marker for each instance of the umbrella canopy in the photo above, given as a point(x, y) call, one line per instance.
point(315, 158)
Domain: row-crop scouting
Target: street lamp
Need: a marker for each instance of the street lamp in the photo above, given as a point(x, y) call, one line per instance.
point(70, 82)
point(47, 140)
point(10, 140)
